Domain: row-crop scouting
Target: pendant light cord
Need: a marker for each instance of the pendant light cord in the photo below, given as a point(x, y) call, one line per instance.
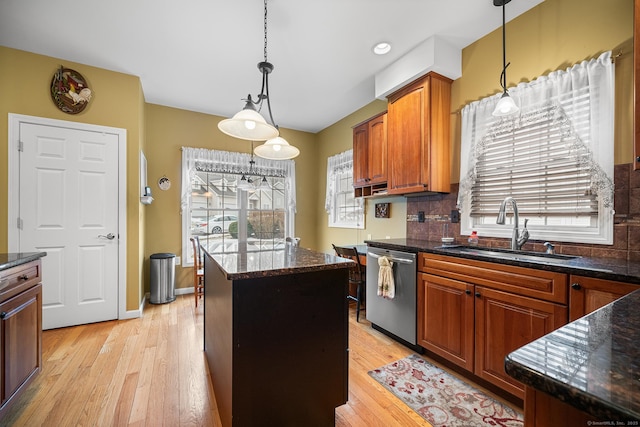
point(265, 31)
point(503, 75)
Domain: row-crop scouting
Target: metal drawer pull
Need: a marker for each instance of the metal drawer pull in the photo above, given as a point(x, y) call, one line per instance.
point(3, 315)
point(23, 277)
point(399, 260)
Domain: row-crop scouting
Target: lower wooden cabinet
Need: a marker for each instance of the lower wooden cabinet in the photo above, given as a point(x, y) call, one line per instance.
point(474, 313)
point(20, 339)
point(504, 323)
point(20, 330)
point(446, 318)
point(588, 294)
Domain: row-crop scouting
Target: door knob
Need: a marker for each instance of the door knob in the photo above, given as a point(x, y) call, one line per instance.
point(109, 236)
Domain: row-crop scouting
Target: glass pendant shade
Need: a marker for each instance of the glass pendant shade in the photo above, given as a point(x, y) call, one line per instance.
point(248, 124)
point(276, 149)
point(505, 106)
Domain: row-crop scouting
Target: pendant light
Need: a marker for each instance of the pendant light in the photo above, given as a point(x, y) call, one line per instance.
point(250, 125)
point(506, 105)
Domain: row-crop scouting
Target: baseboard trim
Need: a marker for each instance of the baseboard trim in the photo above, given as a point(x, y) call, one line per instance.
point(134, 314)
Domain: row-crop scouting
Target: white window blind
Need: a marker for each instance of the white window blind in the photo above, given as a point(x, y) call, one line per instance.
point(555, 158)
point(541, 164)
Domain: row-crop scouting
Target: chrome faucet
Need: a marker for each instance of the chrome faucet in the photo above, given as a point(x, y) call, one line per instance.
point(517, 239)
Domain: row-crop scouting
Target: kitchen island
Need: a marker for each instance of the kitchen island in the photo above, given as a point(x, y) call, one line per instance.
point(585, 373)
point(276, 335)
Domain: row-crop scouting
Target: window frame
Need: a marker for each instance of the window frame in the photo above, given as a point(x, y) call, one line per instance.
point(233, 163)
point(339, 172)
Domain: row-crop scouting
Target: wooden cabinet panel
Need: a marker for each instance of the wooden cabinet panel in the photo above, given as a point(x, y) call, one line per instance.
point(446, 325)
point(20, 330)
point(588, 294)
point(505, 322)
point(636, 84)
point(542, 284)
point(370, 156)
point(360, 154)
point(406, 136)
point(543, 410)
point(418, 133)
point(20, 336)
point(378, 149)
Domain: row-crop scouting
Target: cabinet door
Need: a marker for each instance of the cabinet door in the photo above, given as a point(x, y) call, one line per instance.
point(360, 155)
point(588, 294)
point(378, 149)
point(505, 322)
point(445, 318)
point(20, 339)
point(406, 133)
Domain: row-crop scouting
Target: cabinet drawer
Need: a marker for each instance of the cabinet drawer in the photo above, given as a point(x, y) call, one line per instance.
point(20, 278)
point(541, 284)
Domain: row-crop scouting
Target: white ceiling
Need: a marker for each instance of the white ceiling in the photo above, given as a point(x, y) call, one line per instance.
point(201, 55)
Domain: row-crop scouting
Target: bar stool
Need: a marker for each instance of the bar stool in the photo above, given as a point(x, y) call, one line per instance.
point(198, 269)
point(357, 275)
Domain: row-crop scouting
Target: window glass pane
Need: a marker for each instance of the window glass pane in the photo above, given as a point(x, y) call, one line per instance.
point(220, 212)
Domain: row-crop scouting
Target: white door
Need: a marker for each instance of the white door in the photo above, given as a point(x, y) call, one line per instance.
point(68, 207)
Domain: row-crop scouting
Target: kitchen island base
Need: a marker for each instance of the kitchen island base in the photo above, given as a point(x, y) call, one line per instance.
point(277, 346)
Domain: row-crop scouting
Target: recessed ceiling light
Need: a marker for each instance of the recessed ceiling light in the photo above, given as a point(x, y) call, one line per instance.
point(382, 48)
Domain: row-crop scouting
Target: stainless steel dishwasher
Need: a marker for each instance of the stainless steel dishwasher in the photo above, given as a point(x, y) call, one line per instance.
point(396, 317)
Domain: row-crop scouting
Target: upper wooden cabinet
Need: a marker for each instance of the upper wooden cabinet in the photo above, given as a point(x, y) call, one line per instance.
point(370, 156)
point(419, 136)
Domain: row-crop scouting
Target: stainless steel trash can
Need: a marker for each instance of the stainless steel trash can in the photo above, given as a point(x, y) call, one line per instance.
point(163, 278)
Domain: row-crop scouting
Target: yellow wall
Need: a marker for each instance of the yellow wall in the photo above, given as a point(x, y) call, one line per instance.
point(168, 129)
point(554, 35)
point(336, 139)
point(25, 79)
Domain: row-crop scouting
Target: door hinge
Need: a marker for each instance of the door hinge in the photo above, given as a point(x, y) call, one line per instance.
point(20, 146)
point(19, 224)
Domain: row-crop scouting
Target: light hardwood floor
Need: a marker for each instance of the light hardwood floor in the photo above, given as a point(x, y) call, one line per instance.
point(152, 372)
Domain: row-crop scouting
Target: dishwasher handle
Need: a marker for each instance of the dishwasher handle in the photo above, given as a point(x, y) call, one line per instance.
point(393, 259)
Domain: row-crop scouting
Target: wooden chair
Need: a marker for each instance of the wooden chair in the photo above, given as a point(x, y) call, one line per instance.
point(198, 269)
point(357, 275)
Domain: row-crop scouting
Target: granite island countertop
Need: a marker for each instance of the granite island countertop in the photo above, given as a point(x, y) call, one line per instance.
point(601, 268)
point(275, 262)
point(9, 260)
point(592, 364)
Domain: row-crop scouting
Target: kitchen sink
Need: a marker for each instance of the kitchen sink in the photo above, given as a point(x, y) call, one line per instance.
point(540, 257)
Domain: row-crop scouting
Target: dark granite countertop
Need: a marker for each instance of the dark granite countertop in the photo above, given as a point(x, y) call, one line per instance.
point(276, 262)
point(8, 260)
point(603, 268)
point(592, 363)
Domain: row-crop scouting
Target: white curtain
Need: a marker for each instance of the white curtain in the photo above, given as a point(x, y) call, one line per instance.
point(194, 159)
point(336, 165)
point(557, 91)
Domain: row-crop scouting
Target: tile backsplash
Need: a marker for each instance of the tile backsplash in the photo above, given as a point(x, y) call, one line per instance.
point(626, 241)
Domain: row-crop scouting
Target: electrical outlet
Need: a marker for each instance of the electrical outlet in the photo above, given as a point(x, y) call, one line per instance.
point(368, 236)
point(455, 216)
point(421, 216)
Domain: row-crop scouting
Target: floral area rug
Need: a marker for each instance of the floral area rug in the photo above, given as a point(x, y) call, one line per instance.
point(442, 399)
